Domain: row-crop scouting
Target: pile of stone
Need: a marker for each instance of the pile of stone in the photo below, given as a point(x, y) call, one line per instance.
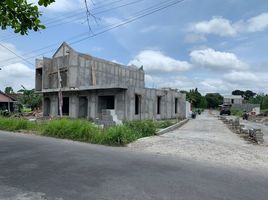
point(252, 133)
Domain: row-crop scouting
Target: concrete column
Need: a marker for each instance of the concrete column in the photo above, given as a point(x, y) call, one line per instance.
point(54, 106)
point(73, 106)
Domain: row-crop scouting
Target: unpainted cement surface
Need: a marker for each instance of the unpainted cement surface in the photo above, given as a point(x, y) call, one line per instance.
point(206, 139)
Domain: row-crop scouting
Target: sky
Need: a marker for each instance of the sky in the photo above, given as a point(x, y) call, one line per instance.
point(212, 45)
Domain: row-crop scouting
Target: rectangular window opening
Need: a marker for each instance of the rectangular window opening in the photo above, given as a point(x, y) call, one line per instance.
point(137, 104)
point(176, 105)
point(158, 105)
point(63, 75)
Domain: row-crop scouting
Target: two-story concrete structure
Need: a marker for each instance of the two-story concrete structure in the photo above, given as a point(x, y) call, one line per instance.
point(90, 86)
point(232, 99)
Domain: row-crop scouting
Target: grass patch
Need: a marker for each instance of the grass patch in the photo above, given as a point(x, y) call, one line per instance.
point(16, 124)
point(143, 128)
point(237, 112)
point(264, 110)
point(80, 130)
point(85, 131)
point(164, 123)
point(26, 110)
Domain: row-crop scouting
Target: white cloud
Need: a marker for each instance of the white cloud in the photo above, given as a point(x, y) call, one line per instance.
point(156, 61)
point(176, 82)
point(5, 55)
point(14, 74)
point(236, 76)
point(258, 23)
point(193, 38)
point(111, 20)
point(64, 5)
point(149, 29)
point(224, 27)
point(216, 60)
point(214, 85)
point(217, 26)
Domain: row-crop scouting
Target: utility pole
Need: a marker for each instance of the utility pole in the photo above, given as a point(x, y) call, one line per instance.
point(60, 85)
point(60, 93)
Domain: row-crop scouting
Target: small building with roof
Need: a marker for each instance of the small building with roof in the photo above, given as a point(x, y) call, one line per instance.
point(7, 103)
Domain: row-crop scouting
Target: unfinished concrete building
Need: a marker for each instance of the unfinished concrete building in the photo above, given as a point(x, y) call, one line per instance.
point(93, 88)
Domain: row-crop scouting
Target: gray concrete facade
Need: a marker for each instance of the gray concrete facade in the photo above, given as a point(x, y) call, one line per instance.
point(91, 85)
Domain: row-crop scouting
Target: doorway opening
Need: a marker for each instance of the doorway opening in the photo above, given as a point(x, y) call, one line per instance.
point(83, 107)
point(65, 106)
point(46, 106)
point(105, 102)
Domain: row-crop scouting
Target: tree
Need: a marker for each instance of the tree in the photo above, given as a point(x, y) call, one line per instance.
point(214, 100)
point(30, 99)
point(194, 97)
point(238, 92)
point(248, 94)
point(21, 15)
point(9, 90)
point(261, 99)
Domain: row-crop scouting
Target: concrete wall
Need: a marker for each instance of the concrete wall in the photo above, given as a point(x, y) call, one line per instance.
point(188, 110)
point(233, 100)
point(149, 104)
point(247, 107)
point(82, 71)
point(124, 104)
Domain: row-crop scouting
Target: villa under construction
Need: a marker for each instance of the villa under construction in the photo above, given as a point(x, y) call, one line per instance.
point(93, 88)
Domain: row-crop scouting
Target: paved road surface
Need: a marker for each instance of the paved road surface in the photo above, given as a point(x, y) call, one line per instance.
point(40, 168)
point(206, 139)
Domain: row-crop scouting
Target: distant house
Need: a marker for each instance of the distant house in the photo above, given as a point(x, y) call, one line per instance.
point(7, 102)
point(232, 99)
point(237, 102)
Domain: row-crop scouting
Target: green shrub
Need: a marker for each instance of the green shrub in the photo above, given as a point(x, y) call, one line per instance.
point(237, 112)
point(80, 130)
point(118, 136)
point(164, 124)
point(264, 110)
point(143, 128)
point(15, 124)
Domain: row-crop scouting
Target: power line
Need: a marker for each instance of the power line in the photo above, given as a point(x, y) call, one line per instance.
point(128, 21)
point(16, 54)
point(109, 28)
point(85, 33)
point(95, 13)
point(77, 11)
point(78, 16)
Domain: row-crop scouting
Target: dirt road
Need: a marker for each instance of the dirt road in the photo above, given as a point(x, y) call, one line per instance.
point(207, 139)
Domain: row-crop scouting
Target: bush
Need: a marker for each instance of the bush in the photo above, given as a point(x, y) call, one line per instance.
point(164, 124)
point(143, 128)
point(118, 136)
point(237, 112)
point(80, 130)
point(14, 124)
